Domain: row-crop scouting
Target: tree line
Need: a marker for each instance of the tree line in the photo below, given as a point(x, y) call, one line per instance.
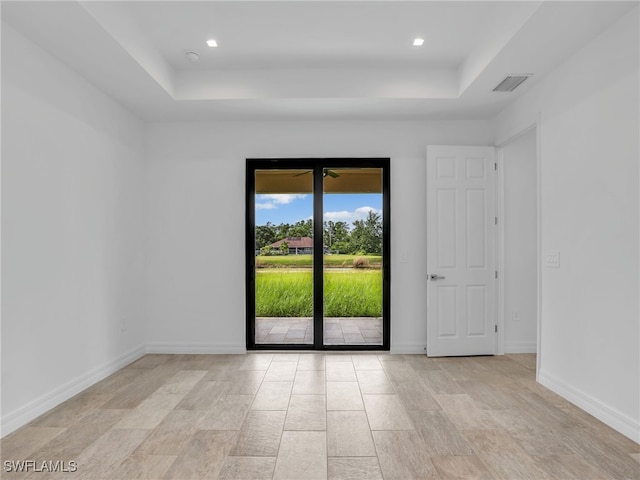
point(359, 237)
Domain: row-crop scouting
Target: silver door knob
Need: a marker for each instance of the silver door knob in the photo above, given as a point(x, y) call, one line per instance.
point(435, 277)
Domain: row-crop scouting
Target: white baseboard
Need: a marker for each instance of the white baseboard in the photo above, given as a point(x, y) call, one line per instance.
point(409, 348)
point(195, 348)
point(606, 414)
point(37, 407)
point(520, 347)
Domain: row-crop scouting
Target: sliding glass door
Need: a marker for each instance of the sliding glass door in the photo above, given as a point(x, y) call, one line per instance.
point(317, 254)
point(352, 215)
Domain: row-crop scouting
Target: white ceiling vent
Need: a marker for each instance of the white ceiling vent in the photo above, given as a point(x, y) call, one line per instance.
point(510, 83)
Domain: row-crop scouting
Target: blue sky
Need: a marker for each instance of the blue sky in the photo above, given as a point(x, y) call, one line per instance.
point(291, 208)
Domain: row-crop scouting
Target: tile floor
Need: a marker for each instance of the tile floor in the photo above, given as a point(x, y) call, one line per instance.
point(322, 416)
point(337, 331)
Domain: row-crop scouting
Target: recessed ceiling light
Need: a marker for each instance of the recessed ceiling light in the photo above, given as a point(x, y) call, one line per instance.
point(192, 56)
point(417, 42)
point(212, 43)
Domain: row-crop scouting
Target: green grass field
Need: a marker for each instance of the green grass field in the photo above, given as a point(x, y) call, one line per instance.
point(351, 293)
point(295, 261)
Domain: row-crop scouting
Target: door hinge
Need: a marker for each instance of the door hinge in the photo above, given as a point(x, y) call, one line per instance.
point(496, 272)
point(495, 220)
point(496, 328)
point(495, 166)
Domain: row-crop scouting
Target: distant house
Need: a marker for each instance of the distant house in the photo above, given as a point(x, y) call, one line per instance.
point(297, 245)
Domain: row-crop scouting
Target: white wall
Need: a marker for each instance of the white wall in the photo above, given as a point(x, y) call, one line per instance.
point(589, 146)
point(196, 289)
point(72, 232)
point(520, 244)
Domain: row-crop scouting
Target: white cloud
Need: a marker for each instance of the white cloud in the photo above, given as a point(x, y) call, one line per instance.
point(359, 213)
point(272, 200)
point(265, 206)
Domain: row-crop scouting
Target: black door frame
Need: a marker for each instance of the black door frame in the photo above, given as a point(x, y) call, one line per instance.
point(317, 165)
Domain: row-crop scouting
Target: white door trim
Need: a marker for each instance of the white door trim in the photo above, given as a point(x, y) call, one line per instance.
point(500, 208)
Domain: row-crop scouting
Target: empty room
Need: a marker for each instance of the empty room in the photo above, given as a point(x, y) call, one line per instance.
point(246, 240)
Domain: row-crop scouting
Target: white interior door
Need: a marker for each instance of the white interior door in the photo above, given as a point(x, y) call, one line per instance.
point(461, 312)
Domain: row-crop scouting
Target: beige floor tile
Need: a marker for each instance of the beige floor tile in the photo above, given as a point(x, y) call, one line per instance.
point(286, 357)
point(490, 418)
point(384, 358)
point(461, 467)
point(539, 407)
point(306, 412)
point(150, 360)
point(438, 382)
point(248, 468)
point(150, 412)
point(149, 467)
point(569, 467)
point(273, 396)
point(115, 384)
point(280, 371)
point(172, 433)
point(224, 373)
point(340, 372)
point(498, 450)
point(348, 435)
point(463, 412)
point(202, 456)
point(526, 359)
point(70, 443)
point(385, 412)
point(338, 357)
point(516, 420)
point(421, 362)
point(402, 456)
point(182, 382)
point(602, 431)
point(600, 454)
point(260, 434)
point(228, 414)
point(509, 467)
point(245, 382)
point(100, 458)
point(439, 434)
point(364, 362)
point(374, 382)
point(493, 441)
point(309, 382)
point(415, 396)
point(354, 468)
point(456, 368)
point(400, 372)
point(257, 361)
point(485, 396)
point(344, 396)
point(311, 361)
point(23, 442)
point(144, 384)
point(302, 455)
point(73, 410)
point(542, 441)
point(203, 396)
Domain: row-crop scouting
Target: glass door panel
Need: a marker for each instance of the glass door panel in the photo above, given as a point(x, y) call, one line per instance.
point(284, 257)
point(352, 210)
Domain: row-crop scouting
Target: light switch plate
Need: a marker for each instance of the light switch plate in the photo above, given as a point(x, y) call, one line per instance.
point(552, 259)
